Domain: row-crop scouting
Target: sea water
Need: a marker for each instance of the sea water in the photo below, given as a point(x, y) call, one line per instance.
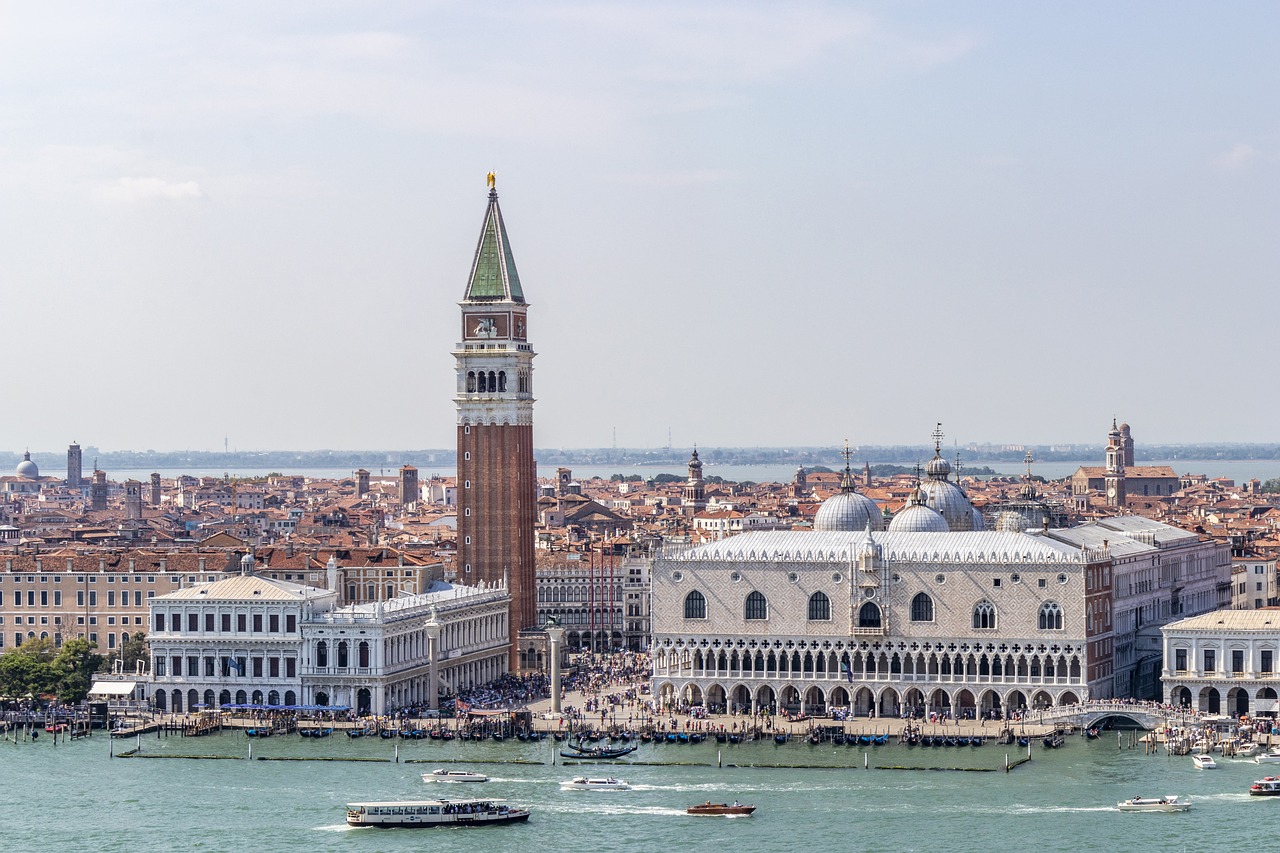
point(73, 796)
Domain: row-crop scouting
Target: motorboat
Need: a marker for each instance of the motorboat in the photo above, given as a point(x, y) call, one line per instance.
point(710, 808)
point(606, 783)
point(1170, 803)
point(443, 775)
point(1246, 750)
point(1267, 787)
point(421, 814)
point(1272, 757)
point(1204, 761)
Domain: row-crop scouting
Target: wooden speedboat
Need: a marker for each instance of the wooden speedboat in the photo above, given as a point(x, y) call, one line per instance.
point(443, 775)
point(710, 808)
point(420, 814)
point(1171, 803)
point(1267, 787)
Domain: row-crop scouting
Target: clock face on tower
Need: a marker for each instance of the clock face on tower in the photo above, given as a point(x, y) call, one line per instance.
point(1111, 492)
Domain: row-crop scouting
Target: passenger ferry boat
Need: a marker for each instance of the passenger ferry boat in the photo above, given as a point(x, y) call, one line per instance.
point(583, 783)
point(420, 814)
point(1171, 803)
point(443, 775)
point(1267, 787)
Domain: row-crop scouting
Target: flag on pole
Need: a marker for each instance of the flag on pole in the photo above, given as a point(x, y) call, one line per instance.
point(848, 673)
point(232, 663)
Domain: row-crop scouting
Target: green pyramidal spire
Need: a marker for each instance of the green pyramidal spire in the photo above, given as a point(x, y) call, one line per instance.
point(493, 272)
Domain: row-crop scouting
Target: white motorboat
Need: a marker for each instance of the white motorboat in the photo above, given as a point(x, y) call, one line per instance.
point(1268, 787)
point(606, 783)
point(1246, 750)
point(1170, 803)
point(1272, 757)
point(443, 775)
point(1204, 761)
point(419, 814)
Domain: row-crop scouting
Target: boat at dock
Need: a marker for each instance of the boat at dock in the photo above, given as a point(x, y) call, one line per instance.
point(443, 775)
point(710, 808)
point(421, 814)
point(578, 751)
point(1171, 803)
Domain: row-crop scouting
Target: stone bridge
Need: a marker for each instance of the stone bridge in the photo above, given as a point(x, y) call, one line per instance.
point(1089, 714)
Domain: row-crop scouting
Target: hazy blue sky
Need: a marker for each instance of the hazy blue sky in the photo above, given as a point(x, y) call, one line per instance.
point(748, 223)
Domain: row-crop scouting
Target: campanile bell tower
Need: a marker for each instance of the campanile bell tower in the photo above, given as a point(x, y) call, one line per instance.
point(497, 475)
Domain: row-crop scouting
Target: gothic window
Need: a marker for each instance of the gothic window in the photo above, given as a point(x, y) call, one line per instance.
point(984, 615)
point(502, 381)
point(819, 607)
point(922, 608)
point(869, 616)
point(1050, 616)
point(757, 607)
point(471, 381)
point(493, 382)
point(695, 606)
point(483, 384)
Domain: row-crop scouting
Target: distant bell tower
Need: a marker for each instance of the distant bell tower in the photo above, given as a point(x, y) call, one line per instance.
point(497, 474)
point(410, 493)
point(74, 466)
point(132, 499)
point(695, 490)
point(1126, 442)
point(1114, 478)
point(155, 488)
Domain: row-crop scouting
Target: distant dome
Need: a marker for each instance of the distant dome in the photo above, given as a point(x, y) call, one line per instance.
point(848, 512)
point(937, 467)
point(950, 501)
point(979, 523)
point(918, 518)
point(1011, 522)
point(27, 468)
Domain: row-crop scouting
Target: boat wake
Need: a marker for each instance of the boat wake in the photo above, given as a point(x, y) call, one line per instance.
point(610, 809)
point(337, 827)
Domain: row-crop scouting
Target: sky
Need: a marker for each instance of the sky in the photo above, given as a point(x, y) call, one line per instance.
point(737, 224)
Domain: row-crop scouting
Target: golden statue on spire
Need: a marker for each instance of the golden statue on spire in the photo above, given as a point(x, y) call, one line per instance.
point(491, 180)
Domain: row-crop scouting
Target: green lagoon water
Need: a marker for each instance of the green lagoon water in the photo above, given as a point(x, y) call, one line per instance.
point(74, 797)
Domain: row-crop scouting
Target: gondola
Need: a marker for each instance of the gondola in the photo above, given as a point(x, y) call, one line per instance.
point(735, 738)
point(781, 737)
point(598, 752)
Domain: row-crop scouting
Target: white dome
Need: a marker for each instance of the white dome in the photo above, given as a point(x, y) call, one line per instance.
point(950, 501)
point(1011, 522)
point(27, 468)
point(848, 512)
point(918, 518)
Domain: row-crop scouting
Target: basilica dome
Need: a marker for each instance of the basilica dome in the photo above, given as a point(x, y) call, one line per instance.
point(948, 499)
point(848, 511)
point(27, 468)
point(1011, 522)
point(918, 518)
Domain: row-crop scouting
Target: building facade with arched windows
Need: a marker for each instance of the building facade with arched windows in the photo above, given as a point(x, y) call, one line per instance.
point(968, 623)
point(252, 640)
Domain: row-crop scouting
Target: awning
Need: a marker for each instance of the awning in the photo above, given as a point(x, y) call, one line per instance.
point(113, 688)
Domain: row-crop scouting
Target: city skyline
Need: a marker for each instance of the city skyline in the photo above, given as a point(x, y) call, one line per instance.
point(256, 223)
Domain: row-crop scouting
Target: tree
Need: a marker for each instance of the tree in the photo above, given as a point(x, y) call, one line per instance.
point(133, 650)
point(28, 669)
point(1272, 485)
point(75, 665)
